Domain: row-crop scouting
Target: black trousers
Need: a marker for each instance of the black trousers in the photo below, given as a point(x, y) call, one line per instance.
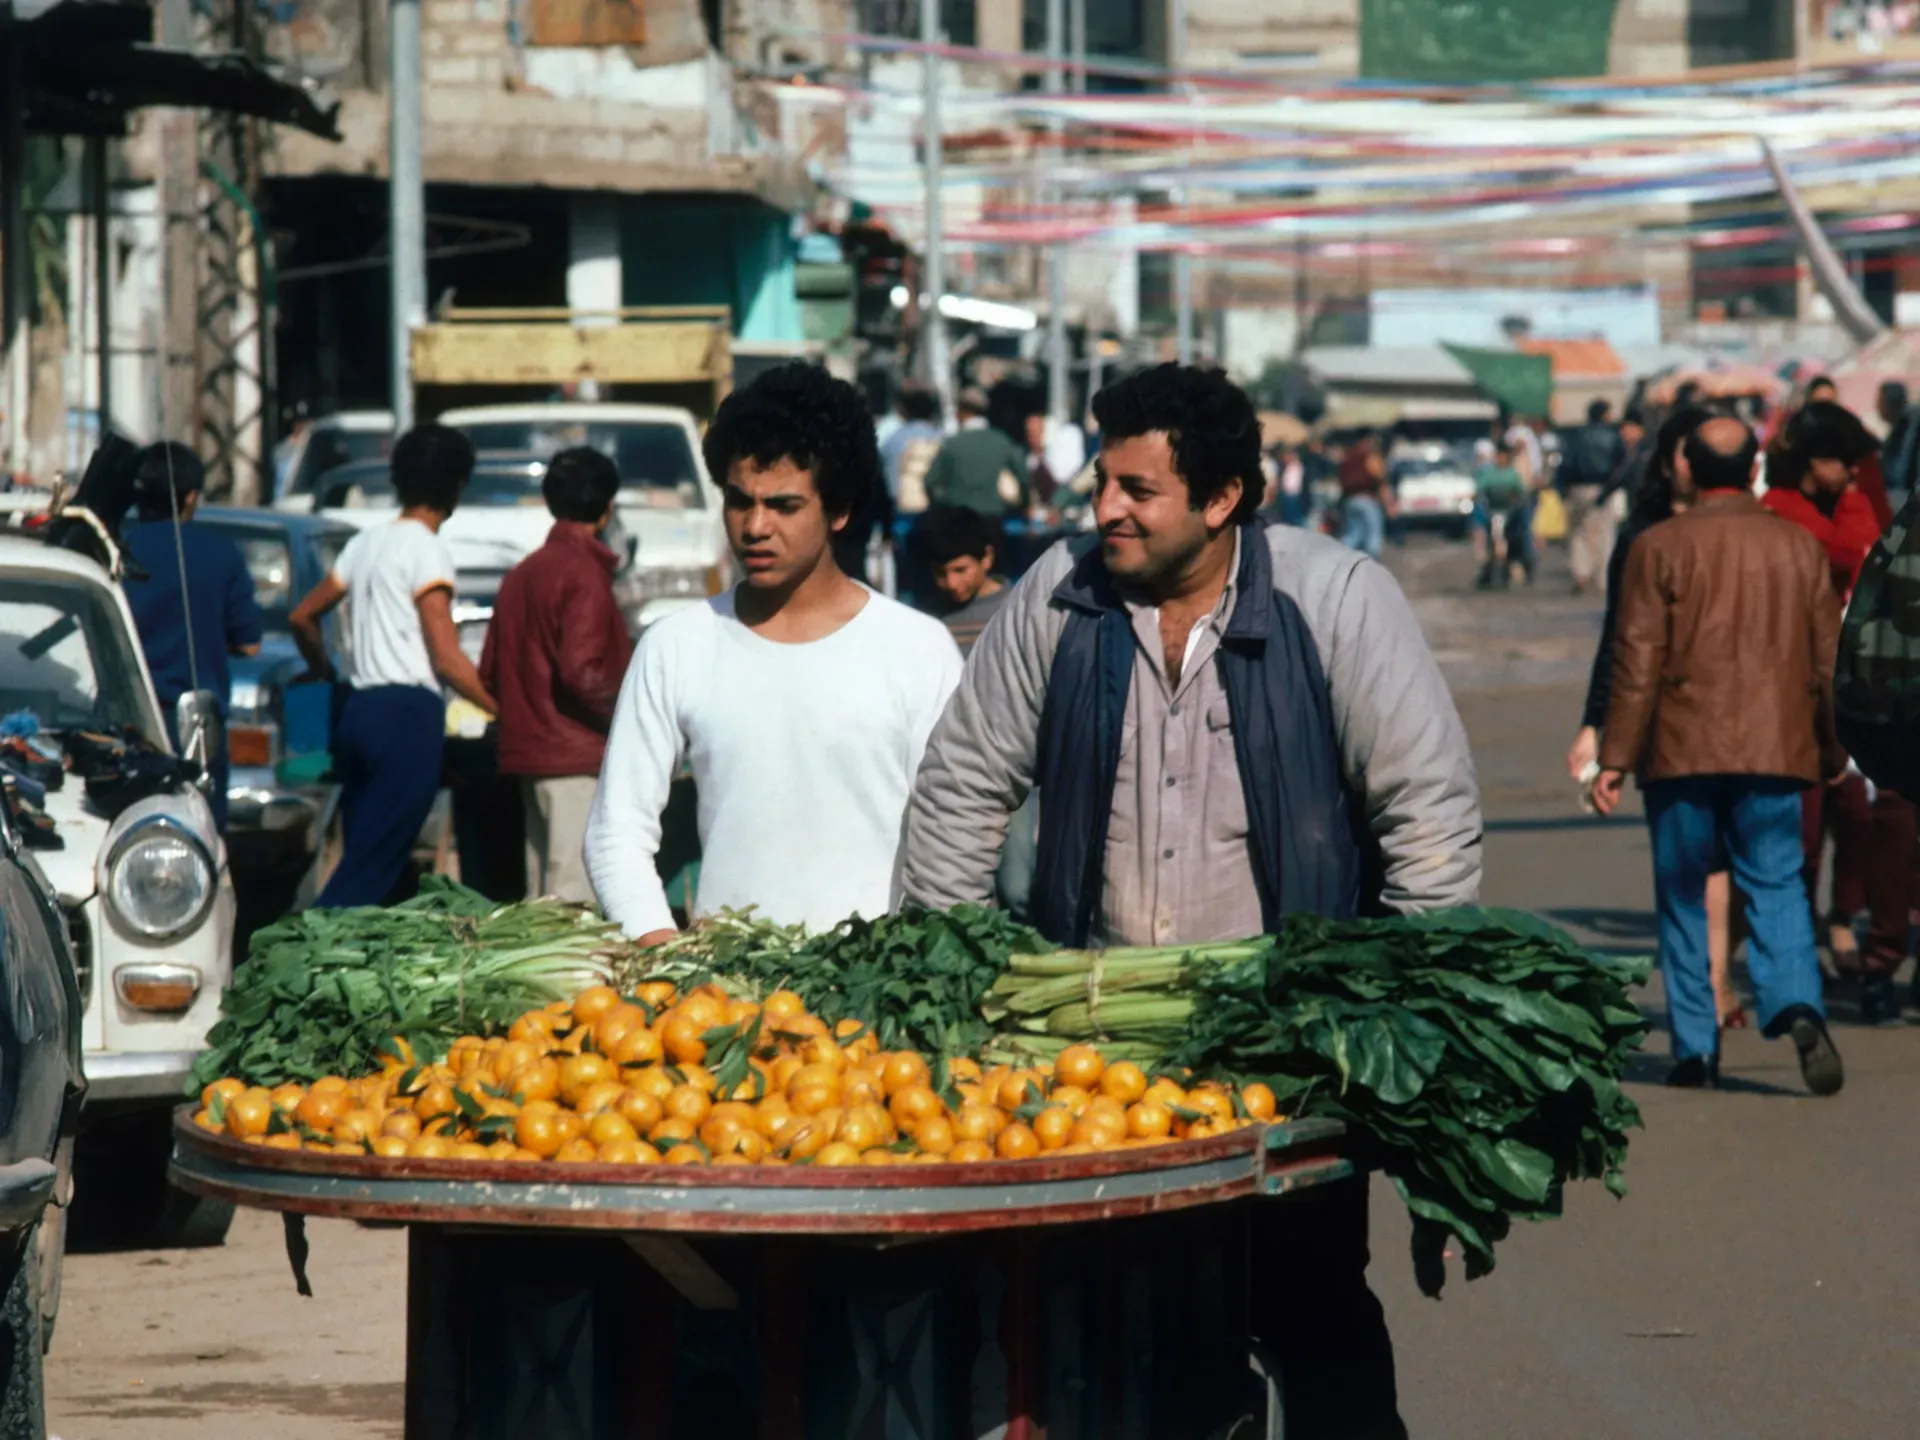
point(1312, 1311)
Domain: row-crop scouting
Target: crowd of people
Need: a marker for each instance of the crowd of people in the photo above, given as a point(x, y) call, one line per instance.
point(1713, 685)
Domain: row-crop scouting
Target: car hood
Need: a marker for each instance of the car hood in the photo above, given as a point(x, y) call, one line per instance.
point(489, 540)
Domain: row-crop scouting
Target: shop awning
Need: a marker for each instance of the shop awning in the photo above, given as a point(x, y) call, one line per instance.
point(1522, 383)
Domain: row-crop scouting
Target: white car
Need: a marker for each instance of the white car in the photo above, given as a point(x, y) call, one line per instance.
point(1433, 489)
point(669, 507)
point(146, 892)
point(332, 441)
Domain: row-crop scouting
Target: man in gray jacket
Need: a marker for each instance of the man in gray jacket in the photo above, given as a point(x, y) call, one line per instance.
point(1226, 724)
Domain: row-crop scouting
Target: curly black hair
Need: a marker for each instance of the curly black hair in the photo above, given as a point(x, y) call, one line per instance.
point(799, 412)
point(1208, 420)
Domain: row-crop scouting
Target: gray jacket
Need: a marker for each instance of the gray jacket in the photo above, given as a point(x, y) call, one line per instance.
point(1401, 739)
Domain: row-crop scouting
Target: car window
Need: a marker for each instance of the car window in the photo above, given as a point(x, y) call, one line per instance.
point(65, 656)
point(655, 460)
point(328, 448)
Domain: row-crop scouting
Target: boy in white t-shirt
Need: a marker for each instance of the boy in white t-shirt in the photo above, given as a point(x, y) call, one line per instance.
point(801, 699)
point(387, 740)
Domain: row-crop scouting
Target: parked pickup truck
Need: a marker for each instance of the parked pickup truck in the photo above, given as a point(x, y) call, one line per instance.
point(140, 872)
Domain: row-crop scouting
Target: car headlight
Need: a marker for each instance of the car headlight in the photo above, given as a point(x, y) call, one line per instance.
point(160, 880)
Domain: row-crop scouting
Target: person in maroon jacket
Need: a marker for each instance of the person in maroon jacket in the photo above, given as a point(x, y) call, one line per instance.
point(556, 653)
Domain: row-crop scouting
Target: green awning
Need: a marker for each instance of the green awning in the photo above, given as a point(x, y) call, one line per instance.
point(1522, 383)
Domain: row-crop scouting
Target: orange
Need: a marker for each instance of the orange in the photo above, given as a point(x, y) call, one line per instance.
point(535, 1028)
point(505, 1150)
point(837, 1153)
point(656, 993)
point(608, 1126)
point(781, 1072)
point(1079, 1065)
point(570, 1124)
point(861, 1130)
point(926, 1157)
point(1016, 1142)
point(805, 1026)
point(811, 1097)
point(1165, 1092)
point(682, 1038)
point(645, 1154)
point(1019, 1088)
point(742, 1012)
point(1071, 1098)
point(861, 1087)
point(704, 1007)
point(700, 1077)
point(770, 1114)
point(804, 1135)
point(618, 1152)
point(672, 1131)
point(538, 1081)
point(287, 1140)
point(904, 1068)
point(1124, 1081)
point(329, 1084)
point(1149, 1120)
point(684, 1155)
point(913, 1103)
point(654, 1081)
point(1259, 1101)
point(639, 1109)
point(969, 1152)
point(204, 1119)
point(430, 1147)
point(934, 1134)
point(578, 1072)
point(512, 1056)
point(468, 1150)
point(964, 1068)
point(639, 1046)
point(978, 1122)
point(879, 1157)
point(748, 1145)
point(593, 1002)
point(355, 1125)
point(719, 1131)
point(602, 1096)
point(537, 1131)
point(615, 1024)
point(687, 1102)
point(781, 1006)
point(1210, 1100)
point(321, 1108)
point(402, 1124)
point(226, 1089)
point(1098, 1129)
point(580, 1151)
point(390, 1147)
point(286, 1098)
point(1051, 1125)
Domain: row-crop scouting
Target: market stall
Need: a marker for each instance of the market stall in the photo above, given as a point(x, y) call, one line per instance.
point(1098, 1294)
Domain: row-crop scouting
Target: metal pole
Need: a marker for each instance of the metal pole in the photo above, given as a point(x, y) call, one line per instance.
point(102, 197)
point(933, 340)
point(408, 205)
point(1077, 43)
point(1057, 358)
point(1182, 261)
point(18, 268)
point(1300, 300)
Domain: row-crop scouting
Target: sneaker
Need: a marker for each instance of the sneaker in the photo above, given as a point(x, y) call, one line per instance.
point(1696, 1072)
point(1879, 1002)
point(1820, 1063)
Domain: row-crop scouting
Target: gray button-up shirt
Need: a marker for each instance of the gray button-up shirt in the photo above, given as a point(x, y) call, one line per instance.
point(1177, 868)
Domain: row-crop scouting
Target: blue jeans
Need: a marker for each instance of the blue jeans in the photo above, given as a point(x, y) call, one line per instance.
point(388, 746)
point(1363, 524)
point(1758, 820)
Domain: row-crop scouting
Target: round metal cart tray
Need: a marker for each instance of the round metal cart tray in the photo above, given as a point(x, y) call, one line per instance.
point(744, 1200)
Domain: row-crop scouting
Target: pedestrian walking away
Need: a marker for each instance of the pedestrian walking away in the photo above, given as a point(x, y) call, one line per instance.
point(193, 605)
point(556, 653)
point(1591, 460)
point(1363, 497)
point(801, 699)
point(398, 580)
point(1228, 723)
point(1722, 707)
point(980, 468)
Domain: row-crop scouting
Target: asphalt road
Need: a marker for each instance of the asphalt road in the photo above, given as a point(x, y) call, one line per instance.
point(1758, 1282)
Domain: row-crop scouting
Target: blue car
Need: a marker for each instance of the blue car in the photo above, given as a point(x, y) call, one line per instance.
point(276, 821)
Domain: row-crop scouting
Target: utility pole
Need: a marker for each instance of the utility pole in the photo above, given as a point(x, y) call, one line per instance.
point(933, 335)
point(1058, 361)
point(1077, 43)
point(1182, 261)
point(407, 204)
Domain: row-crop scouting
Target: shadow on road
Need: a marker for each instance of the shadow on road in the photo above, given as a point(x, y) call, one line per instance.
point(1611, 925)
point(1549, 822)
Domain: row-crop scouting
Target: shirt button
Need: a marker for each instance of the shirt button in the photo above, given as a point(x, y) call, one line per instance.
point(1174, 711)
point(1172, 781)
point(1166, 854)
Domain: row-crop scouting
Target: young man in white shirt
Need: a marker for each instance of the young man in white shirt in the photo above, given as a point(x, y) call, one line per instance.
point(801, 699)
point(388, 738)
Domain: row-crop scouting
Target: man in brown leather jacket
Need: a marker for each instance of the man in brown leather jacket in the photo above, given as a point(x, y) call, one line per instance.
point(1723, 709)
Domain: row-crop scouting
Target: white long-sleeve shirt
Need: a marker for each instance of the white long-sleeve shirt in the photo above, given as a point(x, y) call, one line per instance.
point(803, 756)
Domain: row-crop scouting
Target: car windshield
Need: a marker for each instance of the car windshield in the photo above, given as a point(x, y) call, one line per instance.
point(66, 657)
point(372, 485)
point(653, 457)
point(328, 448)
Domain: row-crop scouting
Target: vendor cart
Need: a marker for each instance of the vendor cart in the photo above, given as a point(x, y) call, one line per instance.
point(1095, 1295)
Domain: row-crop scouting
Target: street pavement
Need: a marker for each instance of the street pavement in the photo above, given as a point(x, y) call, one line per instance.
point(1757, 1282)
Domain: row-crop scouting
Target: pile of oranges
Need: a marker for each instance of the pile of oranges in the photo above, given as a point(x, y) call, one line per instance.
point(639, 1080)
